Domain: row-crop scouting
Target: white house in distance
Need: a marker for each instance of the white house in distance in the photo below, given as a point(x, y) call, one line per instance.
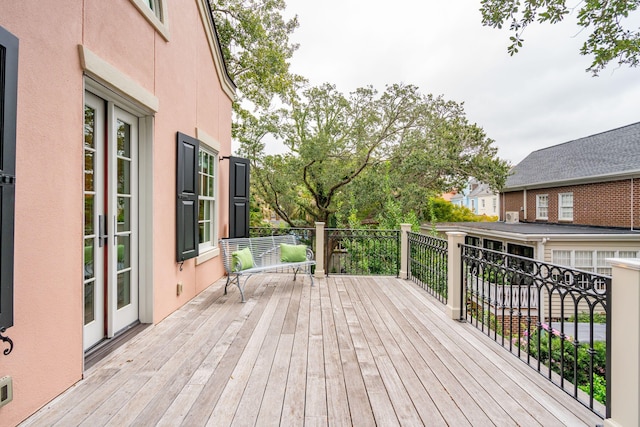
point(478, 197)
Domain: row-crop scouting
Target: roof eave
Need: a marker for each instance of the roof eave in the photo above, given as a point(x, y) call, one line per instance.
point(575, 181)
point(540, 236)
point(206, 14)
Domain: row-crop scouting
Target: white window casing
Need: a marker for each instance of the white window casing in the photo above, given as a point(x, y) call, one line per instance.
point(542, 206)
point(565, 207)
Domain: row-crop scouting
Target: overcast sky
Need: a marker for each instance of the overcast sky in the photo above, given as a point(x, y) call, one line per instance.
point(540, 97)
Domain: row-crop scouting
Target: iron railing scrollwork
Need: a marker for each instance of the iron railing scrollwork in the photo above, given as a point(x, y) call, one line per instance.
point(362, 252)
point(8, 340)
point(428, 257)
point(554, 318)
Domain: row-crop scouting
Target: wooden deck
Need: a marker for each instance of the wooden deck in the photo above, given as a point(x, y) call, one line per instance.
point(360, 351)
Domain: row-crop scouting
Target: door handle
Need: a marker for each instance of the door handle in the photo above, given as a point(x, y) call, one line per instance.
point(102, 230)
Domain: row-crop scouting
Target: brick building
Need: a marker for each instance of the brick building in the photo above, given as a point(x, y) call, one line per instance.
point(573, 204)
point(592, 181)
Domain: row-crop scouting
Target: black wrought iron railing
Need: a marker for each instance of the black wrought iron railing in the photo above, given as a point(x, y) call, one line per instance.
point(554, 318)
point(428, 257)
point(362, 252)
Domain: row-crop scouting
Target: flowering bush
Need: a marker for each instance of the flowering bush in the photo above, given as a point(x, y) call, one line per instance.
point(568, 358)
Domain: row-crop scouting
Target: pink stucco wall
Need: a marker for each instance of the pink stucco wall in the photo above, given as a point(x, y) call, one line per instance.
point(48, 353)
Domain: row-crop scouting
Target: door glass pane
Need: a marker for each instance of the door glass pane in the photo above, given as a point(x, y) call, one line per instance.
point(89, 170)
point(88, 259)
point(124, 214)
point(89, 302)
point(124, 176)
point(124, 252)
point(124, 289)
point(88, 214)
point(89, 126)
point(124, 139)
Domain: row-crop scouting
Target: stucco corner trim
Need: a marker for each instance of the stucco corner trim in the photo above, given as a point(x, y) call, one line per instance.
point(100, 69)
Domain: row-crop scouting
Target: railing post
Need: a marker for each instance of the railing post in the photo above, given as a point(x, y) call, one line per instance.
point(319, 250)
point(404, 250)
point(454, 275)
point(624, 353)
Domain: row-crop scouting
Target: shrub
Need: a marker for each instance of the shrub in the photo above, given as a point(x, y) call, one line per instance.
point(560, 355)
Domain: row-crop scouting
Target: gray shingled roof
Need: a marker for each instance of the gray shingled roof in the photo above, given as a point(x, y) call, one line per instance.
point(615, 152)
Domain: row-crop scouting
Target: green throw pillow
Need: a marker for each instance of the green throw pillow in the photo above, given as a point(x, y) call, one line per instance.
point(243, 257)
point(293, 253)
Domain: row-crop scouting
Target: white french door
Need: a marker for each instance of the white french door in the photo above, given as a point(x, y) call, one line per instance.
point(110, 219)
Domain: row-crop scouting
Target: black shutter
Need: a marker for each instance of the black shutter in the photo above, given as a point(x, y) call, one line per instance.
point(239, 197)
point(187, 197)
point(8, 105)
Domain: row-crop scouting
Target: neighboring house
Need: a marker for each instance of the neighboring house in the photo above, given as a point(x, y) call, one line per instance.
point(572, 204)
point(461, 198)
point(113, 114)
point(590, 181)
point(484, 201)
point(477, 197)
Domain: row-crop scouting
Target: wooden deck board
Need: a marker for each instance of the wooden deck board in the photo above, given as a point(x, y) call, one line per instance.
point(348, 351)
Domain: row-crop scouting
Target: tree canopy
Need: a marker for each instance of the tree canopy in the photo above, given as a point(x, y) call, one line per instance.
point(255, 42)
point(612, 37)
point(368, 152)
point(365, 155)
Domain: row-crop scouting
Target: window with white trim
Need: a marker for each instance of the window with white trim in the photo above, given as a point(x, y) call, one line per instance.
point(627, 254)
point(561, 258)
point(207, 224)
point(595, 261)
point(583, 260)
point(565, 207)
point(542, 206)
point(155, 12)
point(154, 5)
point(495, 204)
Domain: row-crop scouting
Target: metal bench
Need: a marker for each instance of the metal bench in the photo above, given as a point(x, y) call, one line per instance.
point(266, 257)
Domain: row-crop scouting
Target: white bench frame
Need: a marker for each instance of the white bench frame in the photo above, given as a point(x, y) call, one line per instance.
point(266, 257)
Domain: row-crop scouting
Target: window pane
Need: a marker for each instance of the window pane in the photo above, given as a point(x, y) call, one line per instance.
point(88, 259)
point(124, 252)
point(124, 289)
point(89, 126)
point(124, 214)
point(205, 186)
point(207, 232)
point(206, 214)
point(607, 271)
point(201, 234)
point(124, 139)
point(89, 170)
point(562, 258)
point(89, 302)
point(584, 260)
point(601, 257)
point(542, 202)
point(201, 204)
point(124, 176)
point(88, 214)
point(628, 254)
point(210, 186)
